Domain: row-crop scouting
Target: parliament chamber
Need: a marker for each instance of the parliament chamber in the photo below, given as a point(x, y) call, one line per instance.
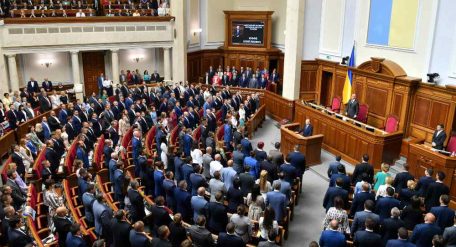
point(159, 123)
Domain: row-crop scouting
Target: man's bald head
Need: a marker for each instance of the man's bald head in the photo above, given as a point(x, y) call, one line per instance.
point(229, 163)
point(334, 224)
point(429, 218)
point(201, 191)
point(218, 157)
point(61, 211)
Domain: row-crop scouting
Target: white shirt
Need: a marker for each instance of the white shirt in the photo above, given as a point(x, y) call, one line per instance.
point(106, 83)
point(215, 166)
point(80, 14)
point(197, 156)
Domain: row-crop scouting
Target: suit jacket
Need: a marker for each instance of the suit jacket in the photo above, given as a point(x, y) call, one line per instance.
point(119, 178)
point(399, 243)
point(12, 118)
point(449, 236)
point(363, 168)
point(330, 238)
point(331, 193)
point(33, 88)
point(246, 146)
point(307, 130)
point(183, 199)
point(227, 240)
point(17, 238)
point(74, 241)
point(138, 239)
point(247, 182)
point(102, 216)
point(137, 205)
point(423, 184)
point(160, 216)
point(352, 108)
point(16, 158)
point(53, 123)
point(45, 104)
point(278, 202)
point(47, 86)
point(217, 217)
point(62, 227)
point(433, 193)
point(345, 178)
point(384, 205)
point(200, 236)
point(390, 227)
point(358, 201)
point(444, 216)
point(360, 218)
point(439, 139)
point(17, 194)
point(400, 181)
point(367, 239)
point(423, 234)
point(53, 158)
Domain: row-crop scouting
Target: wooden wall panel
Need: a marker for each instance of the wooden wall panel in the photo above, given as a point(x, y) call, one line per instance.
point(339, 85)
point(397, 104)
point(308, 81)
point(439, 113)
point(422, 109)
point(278, 107)
point(377, 100)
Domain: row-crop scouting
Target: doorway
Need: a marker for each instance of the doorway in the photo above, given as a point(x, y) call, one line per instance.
point(92, 64)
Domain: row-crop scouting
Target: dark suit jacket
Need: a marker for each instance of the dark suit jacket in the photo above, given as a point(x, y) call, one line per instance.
point(45, 105)
point(360, 218)
point(53, 124)
point(331, 193)
point(217, 217)
point(400, 181)
point(384, 205)
point(423, 184)
point(17, 238)
point(352, 108)
point(160, 216)
point(138, 239)
point(19, 162)
point(345, 178)
point(75, 241)
point(183, 203)
point(444, 216)
point(363, 168)
point(367, 239)
point(226, 240)
point(330, 238)
point(200, 236)
point(120, 229)
point(358, 201)
point(390, 227)
point(137, 205)
point(247, 182)
point(307, 130)
point(34, 88)
point(399, 243)
point(439, 139)
point(178, 234)
point(434, 191)
point(18, 195)
point(62, 227)
point(423, 234)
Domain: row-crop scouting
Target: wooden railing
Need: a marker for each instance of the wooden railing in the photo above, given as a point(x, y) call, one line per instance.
point(104, 19)
point(7, 140)
point(255, 121)
point(278, 107)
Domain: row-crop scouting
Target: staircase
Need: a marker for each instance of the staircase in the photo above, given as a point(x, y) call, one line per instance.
point(398, 166)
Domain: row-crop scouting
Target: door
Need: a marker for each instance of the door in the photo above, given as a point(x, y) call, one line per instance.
point(92, 64)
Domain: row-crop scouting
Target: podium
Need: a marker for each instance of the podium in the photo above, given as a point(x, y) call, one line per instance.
point(309, 146)
point(422, 157)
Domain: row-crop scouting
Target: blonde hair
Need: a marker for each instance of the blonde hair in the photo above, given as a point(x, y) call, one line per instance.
point(38, 127)
point(411, 184)
point(389, 180)
point(385, 167)
point(263, 180)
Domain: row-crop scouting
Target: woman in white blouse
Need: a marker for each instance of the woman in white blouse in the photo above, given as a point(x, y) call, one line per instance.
point(26, 154)
point(55, 100)
point(64, 136)
point(124, 125)
point(265, 185)
point(197, 155)
point(164, 152)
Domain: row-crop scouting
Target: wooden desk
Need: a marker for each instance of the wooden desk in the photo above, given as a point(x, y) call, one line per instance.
point(349, 140)
point(309, 146)
point(422, 157)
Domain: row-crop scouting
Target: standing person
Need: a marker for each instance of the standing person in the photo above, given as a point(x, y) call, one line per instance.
point(435, 190)
point(100, 80)
point(332, 237)
point(364, 167)
point(298, 161)
point(381, 176)
point(439, 137)
point(352, 107)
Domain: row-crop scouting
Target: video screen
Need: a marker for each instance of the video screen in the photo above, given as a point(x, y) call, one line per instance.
point(247, 33)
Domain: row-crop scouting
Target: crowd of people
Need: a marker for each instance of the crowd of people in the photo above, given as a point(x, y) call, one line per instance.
point(231, 76)
point(82, 8)
point(386, 211)
point(225, 193)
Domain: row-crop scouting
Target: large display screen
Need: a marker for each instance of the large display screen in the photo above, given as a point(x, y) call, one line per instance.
point(247, 33)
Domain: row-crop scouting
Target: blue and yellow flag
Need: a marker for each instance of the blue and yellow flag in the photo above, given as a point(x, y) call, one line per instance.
point(346, 95)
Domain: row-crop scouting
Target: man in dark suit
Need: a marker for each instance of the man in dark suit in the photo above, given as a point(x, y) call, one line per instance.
point(238, 35)
point(32, 86)
point(400, 181)
point(364, 167)
point(119, 179)
point(52, 156)
point(12, 117)
point(75, 238)
point(435, 190)
point(360, 198)
point(352, 107)
point(401, 241)
point(340, 174)
point(385, 204)
point(307, 130)
point(443, 214)
point(17, 237)
point(216, 214)
point(160, 215)
point(47, 85)
point(298, 161)
point(62, 224)
point(439, 137)
point(391, 225)
point(360, 217)
point(155, 77)
point(449, 235)
point(137, 202)
point(423, 233)
point(332, 192)
point(332, 237)
point(367, 237)
point(199, 234)
point(278, 202)
point(17, 157)
point(120, 228)
point(247, 181)
point(18, 195)
point(424, 182)
point(53, 121)
point(246, 146)
point(45, 103)
point(137, 237)
point(100, 80)
point(229, 239)
point(102, 216)
point(183, 198)
point(162, 239)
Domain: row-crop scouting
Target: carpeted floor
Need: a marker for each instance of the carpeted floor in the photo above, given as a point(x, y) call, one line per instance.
point(309, 214)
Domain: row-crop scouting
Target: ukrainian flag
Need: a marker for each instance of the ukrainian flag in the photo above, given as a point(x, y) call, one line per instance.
point(346, 95)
